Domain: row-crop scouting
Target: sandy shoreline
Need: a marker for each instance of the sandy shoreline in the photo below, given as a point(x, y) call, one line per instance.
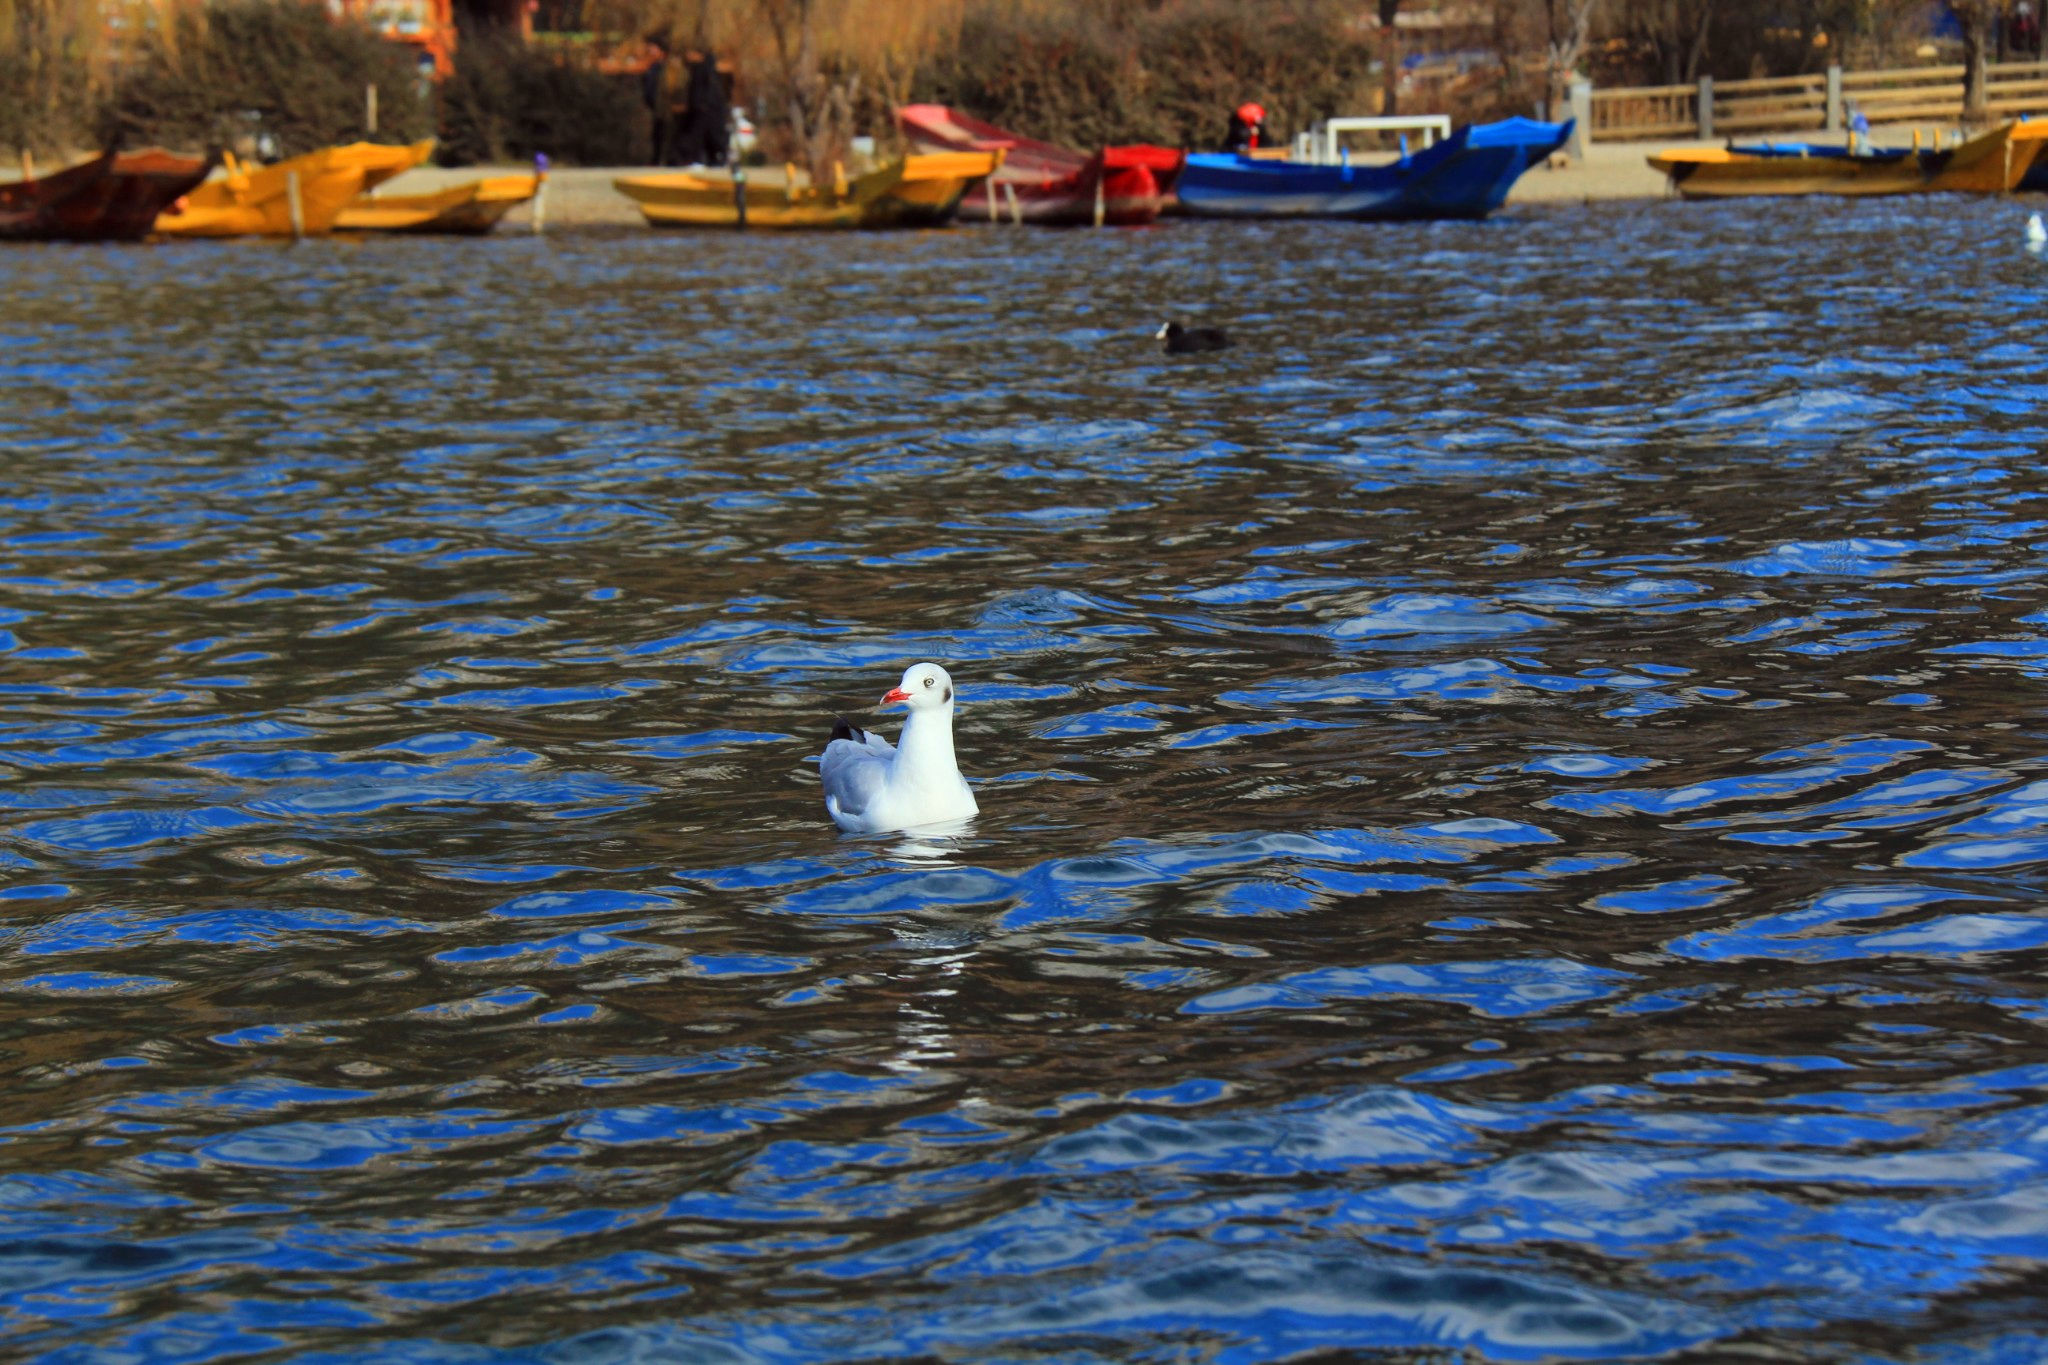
point(1609, 171)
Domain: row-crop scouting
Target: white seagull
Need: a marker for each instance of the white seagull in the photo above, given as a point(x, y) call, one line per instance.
point(871, 785)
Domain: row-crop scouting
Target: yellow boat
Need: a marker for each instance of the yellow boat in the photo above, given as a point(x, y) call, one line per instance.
point(1990, 163)
point(917, 191)
point(474, 207)
point(381, 161)
point(257, 203)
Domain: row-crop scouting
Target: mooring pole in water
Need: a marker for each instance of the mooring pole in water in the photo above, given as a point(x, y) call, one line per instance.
point(739, 196)
point(370, 109)
point(540, 192)
point(294, 204)
point(1016, 209)
point(988, 188)
point(1098, 191)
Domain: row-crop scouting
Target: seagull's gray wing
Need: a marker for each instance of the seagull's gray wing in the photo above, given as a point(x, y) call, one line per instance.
point(853, 770)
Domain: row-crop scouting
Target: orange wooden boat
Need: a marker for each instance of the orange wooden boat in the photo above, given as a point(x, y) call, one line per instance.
point(256, 202)
point(473, 207)
point(913, 191)
point(383, 161)
point(1994, 162)
point(115, 197)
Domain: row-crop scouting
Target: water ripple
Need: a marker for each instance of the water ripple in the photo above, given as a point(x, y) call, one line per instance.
point(1513, 822)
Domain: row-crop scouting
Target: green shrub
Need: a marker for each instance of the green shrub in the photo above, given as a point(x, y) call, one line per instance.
point(218, 75)
point(506, 102)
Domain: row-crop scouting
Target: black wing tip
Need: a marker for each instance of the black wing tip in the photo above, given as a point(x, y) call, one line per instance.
point(842, 728)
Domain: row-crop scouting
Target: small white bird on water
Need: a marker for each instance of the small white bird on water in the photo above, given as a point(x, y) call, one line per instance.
point(872, 786)
point(2037, 233)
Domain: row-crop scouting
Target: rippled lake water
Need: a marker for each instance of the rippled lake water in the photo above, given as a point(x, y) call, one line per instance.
point(1514, 803)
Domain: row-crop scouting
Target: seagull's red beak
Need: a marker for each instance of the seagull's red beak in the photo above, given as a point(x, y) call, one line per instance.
point(893, 694)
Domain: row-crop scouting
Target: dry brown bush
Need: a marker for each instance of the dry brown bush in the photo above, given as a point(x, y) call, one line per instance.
point(53, 69)
point(221, 73)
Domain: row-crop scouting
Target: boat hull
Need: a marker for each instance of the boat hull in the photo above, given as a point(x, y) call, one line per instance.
point(1044, 183)
point(382, 161)
point(917, 191)
point(471, 209)
point(1129, 198)
point(1468, 175)
point(112, 198)
point(927, 189)
point(1995, 162)
point(246, 203)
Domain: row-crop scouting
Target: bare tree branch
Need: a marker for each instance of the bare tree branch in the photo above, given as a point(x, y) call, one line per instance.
point(1571, 22)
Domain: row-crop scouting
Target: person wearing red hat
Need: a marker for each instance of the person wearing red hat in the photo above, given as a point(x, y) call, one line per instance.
point(1247, 128)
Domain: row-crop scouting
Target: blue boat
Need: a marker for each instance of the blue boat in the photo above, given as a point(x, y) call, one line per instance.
point(1467, 175)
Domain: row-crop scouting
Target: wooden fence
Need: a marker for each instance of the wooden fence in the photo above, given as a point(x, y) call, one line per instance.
point(1823, 102)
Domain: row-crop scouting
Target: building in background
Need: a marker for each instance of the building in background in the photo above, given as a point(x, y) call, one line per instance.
point(425, 27)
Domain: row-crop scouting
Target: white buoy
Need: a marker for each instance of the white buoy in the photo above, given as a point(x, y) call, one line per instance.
point(2037, 233)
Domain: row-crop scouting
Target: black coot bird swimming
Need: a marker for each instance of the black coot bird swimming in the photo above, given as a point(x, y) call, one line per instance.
point(1190, 340)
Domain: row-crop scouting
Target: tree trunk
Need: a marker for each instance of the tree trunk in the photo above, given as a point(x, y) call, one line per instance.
point(1507, 41)
point(1979, 19)
point(797, 57)
point(820, 110)
point(1570, 23)
point(1696, 55)
point(1390, 56)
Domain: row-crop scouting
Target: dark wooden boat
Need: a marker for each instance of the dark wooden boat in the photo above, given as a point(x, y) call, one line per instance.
point(115, 197)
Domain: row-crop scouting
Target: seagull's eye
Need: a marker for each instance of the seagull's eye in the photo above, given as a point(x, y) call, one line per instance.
point(927, 682)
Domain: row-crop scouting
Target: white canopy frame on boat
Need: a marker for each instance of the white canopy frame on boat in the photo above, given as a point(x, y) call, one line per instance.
point(1319, 144)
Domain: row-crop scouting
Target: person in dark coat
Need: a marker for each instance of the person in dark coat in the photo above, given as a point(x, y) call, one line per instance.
point(702, 138)
point(1247, 128)
point(718, 127)
point(657, 84)
point(2023, 35)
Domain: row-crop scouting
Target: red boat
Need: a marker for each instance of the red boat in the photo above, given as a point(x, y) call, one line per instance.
point(115, 197)
point(1040, 182)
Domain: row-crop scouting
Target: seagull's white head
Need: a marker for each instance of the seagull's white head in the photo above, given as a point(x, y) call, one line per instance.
point(925, 687)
